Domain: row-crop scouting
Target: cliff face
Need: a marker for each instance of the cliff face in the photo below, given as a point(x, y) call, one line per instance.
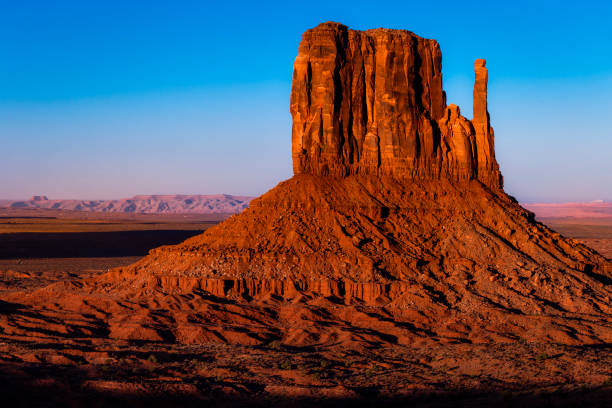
point(371, 102)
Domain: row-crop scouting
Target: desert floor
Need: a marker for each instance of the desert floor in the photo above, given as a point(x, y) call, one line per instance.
point(38, 248)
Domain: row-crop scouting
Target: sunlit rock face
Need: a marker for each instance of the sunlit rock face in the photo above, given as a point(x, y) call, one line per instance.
point(371, 102)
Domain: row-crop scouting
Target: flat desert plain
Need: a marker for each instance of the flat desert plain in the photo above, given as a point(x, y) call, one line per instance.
point(40, 247)
point(595, 232)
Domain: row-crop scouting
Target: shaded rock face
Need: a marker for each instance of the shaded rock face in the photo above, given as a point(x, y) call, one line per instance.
point(371, 102)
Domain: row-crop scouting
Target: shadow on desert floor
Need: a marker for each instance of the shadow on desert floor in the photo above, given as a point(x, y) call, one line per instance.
point(87, 244)
point(62, 392)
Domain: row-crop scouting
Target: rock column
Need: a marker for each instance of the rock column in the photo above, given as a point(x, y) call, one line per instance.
point(487, 170)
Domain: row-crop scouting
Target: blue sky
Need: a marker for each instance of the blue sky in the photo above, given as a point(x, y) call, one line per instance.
point(115, 98)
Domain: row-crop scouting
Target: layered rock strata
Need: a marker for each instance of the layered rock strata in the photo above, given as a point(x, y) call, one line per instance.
point(371, 103)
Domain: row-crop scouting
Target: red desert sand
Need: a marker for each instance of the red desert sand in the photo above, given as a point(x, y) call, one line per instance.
point(393, 237)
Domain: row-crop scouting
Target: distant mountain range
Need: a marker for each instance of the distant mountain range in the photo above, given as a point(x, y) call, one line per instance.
point(594, 209)
point(230, 204)
point(143, 204)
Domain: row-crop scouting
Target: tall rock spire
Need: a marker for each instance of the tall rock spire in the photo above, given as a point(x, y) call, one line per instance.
point(481, 114)
point(488, 169)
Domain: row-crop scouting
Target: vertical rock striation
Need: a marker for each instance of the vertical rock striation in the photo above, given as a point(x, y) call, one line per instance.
point(371, 102)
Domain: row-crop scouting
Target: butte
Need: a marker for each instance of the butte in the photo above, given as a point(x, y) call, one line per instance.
point(395, 228)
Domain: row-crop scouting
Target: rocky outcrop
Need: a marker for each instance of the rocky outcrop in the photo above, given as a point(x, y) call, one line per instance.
point(487, 165)
point(394, 229)
point(371, 103)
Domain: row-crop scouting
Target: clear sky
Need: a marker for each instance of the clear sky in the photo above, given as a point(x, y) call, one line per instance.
point(108, 99)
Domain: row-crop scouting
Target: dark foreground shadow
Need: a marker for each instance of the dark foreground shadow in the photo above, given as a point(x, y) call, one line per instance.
point(53, 396)
point(87, 244)
point(65, 387)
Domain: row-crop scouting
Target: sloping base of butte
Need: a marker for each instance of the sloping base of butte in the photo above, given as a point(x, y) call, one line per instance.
point(373, 241)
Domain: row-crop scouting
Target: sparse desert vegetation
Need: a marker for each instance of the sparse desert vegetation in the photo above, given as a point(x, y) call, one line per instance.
point(124, 371)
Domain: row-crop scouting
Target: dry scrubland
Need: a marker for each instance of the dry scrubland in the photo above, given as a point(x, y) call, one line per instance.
point(39, 247)
point(594, 232)
point(127, 373)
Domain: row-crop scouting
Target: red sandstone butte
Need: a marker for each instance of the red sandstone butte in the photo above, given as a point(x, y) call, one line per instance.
point(395, 229)
point(371, 103)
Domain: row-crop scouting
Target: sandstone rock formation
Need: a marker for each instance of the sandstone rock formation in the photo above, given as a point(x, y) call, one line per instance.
point(395, 229)
point(371, 103)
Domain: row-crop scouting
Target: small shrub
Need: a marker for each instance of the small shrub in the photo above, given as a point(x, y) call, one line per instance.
point(286, 365)
point(371, 371)
point(276, 344)
point(198, 364)
point(152, 359)
point(542, 357)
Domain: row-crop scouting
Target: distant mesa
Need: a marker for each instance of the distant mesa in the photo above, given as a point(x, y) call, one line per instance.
point(39, 198)
point(145, 204)
point(594, 209)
